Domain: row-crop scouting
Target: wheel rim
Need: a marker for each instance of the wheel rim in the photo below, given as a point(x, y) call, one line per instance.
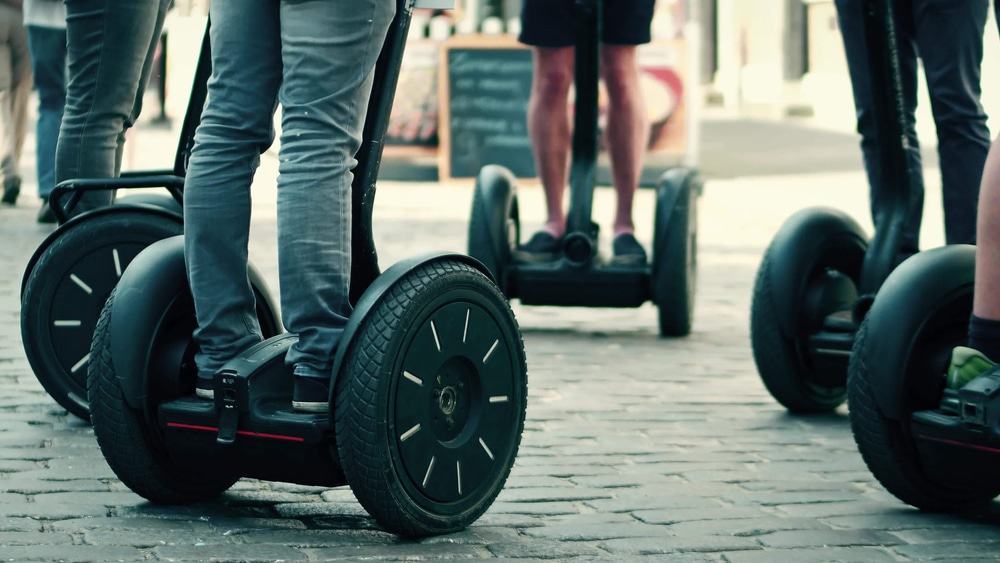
point(453, 412)
point(77, 303)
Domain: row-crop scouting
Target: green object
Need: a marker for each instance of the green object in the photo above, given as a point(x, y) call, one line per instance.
point(966, 365)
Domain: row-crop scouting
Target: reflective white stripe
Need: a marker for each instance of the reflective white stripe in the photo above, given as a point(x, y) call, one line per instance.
point(434, 330)
point(458, 472)
point(498, 399)
point(487, 448)
point(79, 364)
point(490, 352)
point(413, 378)
point(67, 323)
point(465, 331)
point(427, 476)
point(118, 263)
point(409, 433)
point(80, 283)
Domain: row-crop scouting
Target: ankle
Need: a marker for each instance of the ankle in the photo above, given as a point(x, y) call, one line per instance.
point(984, 336)
point(623, 229)
point(555, 228)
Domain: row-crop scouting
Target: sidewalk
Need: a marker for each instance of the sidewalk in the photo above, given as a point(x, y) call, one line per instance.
point(634, 446)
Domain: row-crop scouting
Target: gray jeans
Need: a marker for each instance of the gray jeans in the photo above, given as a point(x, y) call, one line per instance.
point(110, 45)
point(316, 58)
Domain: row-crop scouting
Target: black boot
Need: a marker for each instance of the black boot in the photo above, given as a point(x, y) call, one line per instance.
point(11, 189)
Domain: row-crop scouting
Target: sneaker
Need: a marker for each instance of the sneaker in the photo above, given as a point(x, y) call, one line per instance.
point(11, 189)
point(967, 364)
point(311, 394)
point(543, 247)
point(45, 214)
point(628, 251)
point(205, 388)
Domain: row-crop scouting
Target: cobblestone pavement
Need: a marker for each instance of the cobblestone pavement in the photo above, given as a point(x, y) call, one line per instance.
point(635, 447)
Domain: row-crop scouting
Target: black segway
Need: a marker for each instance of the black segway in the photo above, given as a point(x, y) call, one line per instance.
point(579, 277)
point(73, 271)
point(821, 271)
point(427, 405)
point(932, 447)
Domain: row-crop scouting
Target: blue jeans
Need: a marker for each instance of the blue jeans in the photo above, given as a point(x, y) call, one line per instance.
point(316, 58)
point(48, 57)
point(110, 46)
point(948, 36)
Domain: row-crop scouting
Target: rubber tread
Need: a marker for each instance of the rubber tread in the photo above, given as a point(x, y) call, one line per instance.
point(888, 450)
point(775, 356)
point(361, 431)
point(124, 437)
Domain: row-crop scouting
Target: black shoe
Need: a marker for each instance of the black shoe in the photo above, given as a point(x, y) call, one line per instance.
point(45, 214)
point(311, 394)
point(628, 251)
point(543, 247)
point(11, 189)
point(205, 388)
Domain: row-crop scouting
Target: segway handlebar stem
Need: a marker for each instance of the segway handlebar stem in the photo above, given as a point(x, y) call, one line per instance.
point(587, 78)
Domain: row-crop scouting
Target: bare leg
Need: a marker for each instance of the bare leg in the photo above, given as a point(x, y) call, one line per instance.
point(549, 127)
point(628, 128)
point(987, 300)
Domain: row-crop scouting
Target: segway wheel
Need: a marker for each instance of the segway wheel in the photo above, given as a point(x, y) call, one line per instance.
point(495, 226)
point(811, 270)
point(926, 309)
point(430, 404)
point(130, 442)
point(161, 201)
point(675, 251)
point(66, 291)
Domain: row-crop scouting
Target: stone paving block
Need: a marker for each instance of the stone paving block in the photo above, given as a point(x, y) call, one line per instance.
point(71, 553)
point(263, 553)
point(32, 538)
point(545, 549)
point(595, 532)
point(822, 538)
point(745, 527)
point(949, 550)
point(822, 555)
point(399, 551)
point(671, 545)
point(720, 513)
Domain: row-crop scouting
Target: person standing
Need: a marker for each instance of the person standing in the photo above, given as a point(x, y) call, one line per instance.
point(15, 87)
point(548, 27)
point(110, 46)
point(45, 21)
point(947, 36)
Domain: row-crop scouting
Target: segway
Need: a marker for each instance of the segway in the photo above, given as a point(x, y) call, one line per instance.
point(933, 447)
point(820, 273)
point(429, 385)
point(73, 271)
point(579, 277)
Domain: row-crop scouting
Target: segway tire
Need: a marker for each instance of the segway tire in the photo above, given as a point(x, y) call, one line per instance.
point(888, 449)
point(59, 311)
point(161, 201)
point(403, 461)
point(128, 443)
point(675, 253)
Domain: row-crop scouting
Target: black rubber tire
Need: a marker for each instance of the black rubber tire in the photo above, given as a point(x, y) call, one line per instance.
point(887, 447)
point(495, 223)
point(160, 200)
point(675, 272)
point(362, 402)
point(133, 227)
point(777, 358)
point(129, 443)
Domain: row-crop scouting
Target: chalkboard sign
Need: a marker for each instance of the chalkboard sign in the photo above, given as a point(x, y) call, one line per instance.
point(484, 106)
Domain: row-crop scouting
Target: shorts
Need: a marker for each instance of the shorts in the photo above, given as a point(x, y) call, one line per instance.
point(550, 23)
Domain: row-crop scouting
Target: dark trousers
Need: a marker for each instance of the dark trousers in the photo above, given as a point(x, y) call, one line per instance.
point(110, 55)
point(48, 56)
point(947, 35)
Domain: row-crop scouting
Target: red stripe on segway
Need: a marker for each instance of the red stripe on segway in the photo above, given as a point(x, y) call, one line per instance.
point(962, 444)
point(201, 428)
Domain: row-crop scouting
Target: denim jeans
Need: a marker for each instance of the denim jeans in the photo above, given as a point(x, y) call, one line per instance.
point(316, 58)
point(48, 56)
point(948, 37)
point(110, 46)
point(15, 87)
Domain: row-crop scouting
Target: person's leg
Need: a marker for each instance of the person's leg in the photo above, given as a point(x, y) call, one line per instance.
point(550, 129)
point(627, 129)
point(109, 45)
point(21, 58)
point(48, 55)
point(8, 171)
point(950, 40)
point(850, 18)
point(236, 127)
point(329, 52)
